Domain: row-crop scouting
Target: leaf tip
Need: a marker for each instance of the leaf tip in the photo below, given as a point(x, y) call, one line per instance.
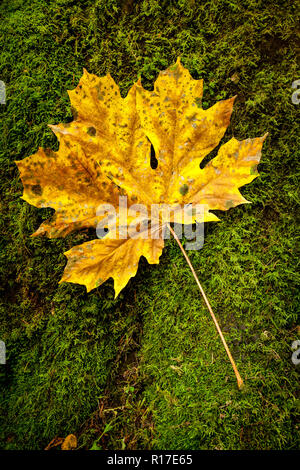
point(18, 163)
point(117, 290)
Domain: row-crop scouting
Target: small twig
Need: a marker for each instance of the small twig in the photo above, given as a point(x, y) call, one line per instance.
point(238, 377)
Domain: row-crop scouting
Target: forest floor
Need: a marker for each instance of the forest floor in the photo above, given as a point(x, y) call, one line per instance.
point(148, 370)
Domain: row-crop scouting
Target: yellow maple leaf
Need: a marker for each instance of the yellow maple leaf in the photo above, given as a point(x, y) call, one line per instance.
point(104, 153)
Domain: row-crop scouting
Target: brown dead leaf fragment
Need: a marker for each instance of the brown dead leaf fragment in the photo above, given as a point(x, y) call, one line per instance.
point(105, 152)
point(57, 441)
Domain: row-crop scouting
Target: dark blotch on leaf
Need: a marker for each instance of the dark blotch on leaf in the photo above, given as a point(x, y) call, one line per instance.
point(184, 189)
point(49, 152)
point(229, 204)
point(36, 189)
point(74, 112)
point(253, 170)
point(91, 131)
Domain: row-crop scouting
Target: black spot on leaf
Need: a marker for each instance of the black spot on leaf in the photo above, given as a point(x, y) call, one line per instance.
point(184, 189)
point(74, 112)
point(36, 189)
point(91, 131)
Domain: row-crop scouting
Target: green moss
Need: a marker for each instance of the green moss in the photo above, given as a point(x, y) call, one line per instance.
point(151, 360)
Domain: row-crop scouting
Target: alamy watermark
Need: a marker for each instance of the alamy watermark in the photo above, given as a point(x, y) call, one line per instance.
point(2, 352)
point(296, 353)
point(2, 92)
point(296, 94)
point(140, 221)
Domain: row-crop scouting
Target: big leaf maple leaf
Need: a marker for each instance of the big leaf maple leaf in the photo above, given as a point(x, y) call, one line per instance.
point(105, 152)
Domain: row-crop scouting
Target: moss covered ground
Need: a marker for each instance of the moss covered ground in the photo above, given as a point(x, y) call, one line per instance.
point(147, 370)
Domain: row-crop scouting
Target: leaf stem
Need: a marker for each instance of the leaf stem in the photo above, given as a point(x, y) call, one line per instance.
point(238, 377)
